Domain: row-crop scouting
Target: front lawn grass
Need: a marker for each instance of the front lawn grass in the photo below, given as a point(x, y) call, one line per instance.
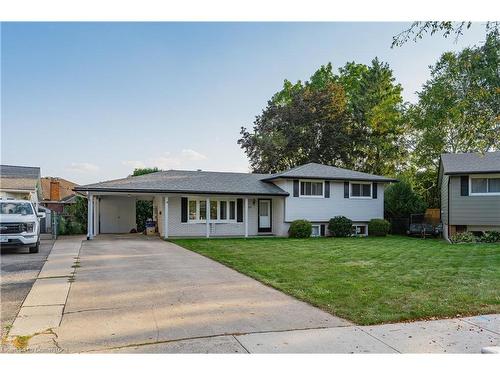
point(369, 280)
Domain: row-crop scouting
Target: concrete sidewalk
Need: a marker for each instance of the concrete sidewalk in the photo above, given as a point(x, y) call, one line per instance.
point(43, 307)
point(466, 335)
point(142, 295)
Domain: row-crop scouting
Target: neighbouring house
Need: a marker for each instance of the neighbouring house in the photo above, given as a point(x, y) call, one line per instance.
point(470, 192)
point(19, 182)
point(205, 204)
point(57, 193)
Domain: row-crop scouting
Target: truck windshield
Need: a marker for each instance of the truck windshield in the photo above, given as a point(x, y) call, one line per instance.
point(10, 208)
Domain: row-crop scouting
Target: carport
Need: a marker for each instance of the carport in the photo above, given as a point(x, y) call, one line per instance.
point(115, 212)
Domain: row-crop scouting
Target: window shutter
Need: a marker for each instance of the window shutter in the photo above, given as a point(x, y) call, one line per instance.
point(295, 188)
point(322, 230)
point(184, 210)
point(374, 192)
point(464, 186)
point(346, 189)
point(327, 189)
point(239, 210)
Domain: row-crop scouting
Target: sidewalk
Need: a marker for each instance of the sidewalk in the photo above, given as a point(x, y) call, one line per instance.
point(43, 307)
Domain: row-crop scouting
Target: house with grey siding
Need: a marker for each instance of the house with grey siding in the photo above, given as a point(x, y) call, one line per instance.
point(470, 192)
point(206, 204)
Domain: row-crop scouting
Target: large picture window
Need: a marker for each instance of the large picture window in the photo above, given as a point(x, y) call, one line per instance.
point(361, 189)
point(311, 188)
point(485, 185)
point(220, 210)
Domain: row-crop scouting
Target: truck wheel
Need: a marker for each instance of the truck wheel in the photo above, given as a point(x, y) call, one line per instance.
point(35, 249)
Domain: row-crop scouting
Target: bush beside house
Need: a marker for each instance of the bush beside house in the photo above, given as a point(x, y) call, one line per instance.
point(300, 229)
point(378, 227)
point(340, 226)
point(463, 237)
point(469, 237)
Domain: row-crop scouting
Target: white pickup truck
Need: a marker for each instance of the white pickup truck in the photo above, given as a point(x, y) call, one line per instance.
point(20, 224)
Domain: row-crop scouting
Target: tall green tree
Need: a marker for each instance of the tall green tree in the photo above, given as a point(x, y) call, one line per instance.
point(458, 110)
point(419, 29)
point(459, 106)
point(376, 106)
point(351, 119)
point(300, 125)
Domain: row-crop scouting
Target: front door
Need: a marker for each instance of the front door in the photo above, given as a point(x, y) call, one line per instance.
point(265, 215)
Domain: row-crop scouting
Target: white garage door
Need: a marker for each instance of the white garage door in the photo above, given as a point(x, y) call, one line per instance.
point(117, 214)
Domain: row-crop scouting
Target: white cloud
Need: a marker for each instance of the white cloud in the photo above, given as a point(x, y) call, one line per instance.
point(134, 164)
point(82, 167)
point(193, 155)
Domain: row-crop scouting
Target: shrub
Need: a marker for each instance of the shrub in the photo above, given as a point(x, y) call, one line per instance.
point(300, 229)
point(400, 201)
point(61, 226)
point(340, 226)
point(463, 237)
point(378, 227)
point(491, 237)
point(67, 226)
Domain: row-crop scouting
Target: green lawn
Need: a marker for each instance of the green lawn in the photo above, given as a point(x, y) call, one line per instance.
point(369, 280)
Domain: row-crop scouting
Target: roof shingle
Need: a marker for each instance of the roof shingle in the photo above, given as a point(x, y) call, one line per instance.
point(488, 162)
point(190, 182)
point(19, 171)
point(320, 171)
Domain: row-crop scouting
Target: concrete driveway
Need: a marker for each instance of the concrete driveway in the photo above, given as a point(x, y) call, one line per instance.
point(135, 290)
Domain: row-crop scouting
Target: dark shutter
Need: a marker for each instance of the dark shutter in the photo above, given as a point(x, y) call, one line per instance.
point(322, 230)
point(184, 210)
point(295, 188)
point(464, 186)
point(346, 189)
point(327, 189)
point(374, 192)
point(239, 210)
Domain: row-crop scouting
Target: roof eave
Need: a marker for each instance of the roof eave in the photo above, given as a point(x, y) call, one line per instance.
point(332, 179)
point(456, 173)
point(163, 191)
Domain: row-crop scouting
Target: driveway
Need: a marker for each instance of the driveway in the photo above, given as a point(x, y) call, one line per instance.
point(19, 270)
point(131, 293)
point(135, 290)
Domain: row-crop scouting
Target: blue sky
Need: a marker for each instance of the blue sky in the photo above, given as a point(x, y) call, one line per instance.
point(91, 101)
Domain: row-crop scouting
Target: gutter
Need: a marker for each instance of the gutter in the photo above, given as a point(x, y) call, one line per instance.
point(331, 179)
point(104, 190)
point(466, 172)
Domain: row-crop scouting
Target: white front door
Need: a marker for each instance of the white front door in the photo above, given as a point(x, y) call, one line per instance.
point(264, 215)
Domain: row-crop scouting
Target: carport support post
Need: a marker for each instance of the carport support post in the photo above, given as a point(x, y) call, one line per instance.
point(246, 217)
point(165, 218)
point(208, 217)
point(90, 216)
point(94, 212)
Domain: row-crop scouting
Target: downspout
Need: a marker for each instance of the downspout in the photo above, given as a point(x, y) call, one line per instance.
point(449, 208)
